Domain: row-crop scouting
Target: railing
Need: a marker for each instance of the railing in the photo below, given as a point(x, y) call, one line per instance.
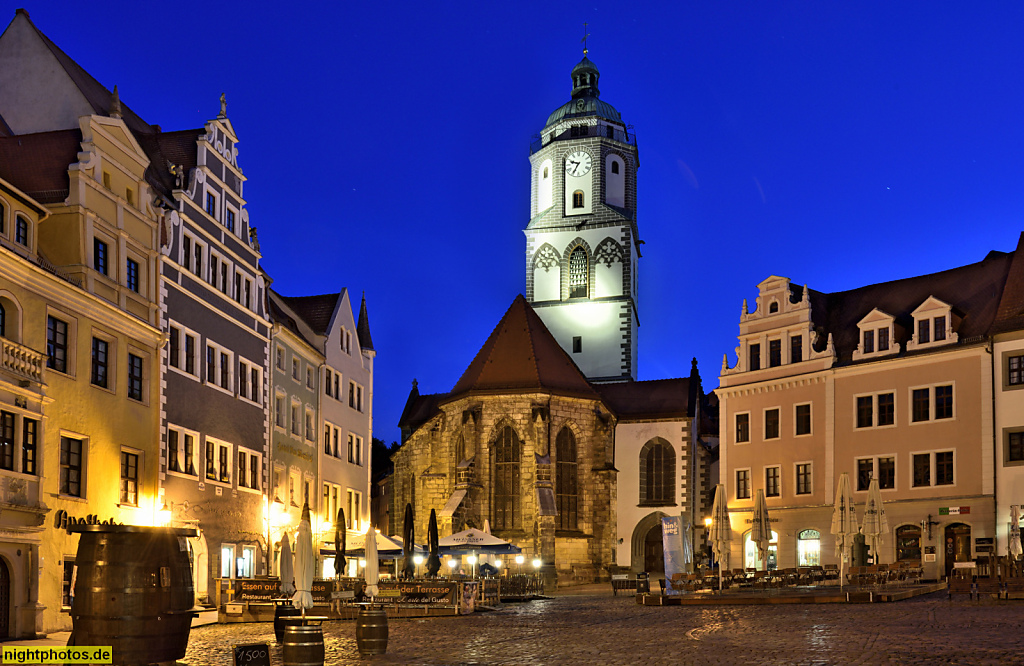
point(584, 131)
point(21, 360)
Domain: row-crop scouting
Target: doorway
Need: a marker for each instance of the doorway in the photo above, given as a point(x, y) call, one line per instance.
point(654, 551)
point(957, 545)
point(5, 601)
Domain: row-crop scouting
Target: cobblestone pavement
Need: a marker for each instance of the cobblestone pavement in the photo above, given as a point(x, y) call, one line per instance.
point(601, 629)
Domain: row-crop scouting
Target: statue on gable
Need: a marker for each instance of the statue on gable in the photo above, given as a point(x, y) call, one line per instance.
point(223, 107)
point(254, 239)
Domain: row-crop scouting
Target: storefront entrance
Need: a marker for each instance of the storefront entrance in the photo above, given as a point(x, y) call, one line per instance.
point(957, 545)
point(654, 551)
point(5, 601)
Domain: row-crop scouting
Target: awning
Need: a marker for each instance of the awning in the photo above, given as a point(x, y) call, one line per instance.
point(456, 499)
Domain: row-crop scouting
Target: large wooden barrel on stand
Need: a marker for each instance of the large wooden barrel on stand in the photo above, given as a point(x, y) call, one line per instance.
point(133, 592)
point(372, 631)
point(283, 608)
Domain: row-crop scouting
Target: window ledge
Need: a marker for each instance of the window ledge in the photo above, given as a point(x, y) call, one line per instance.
point(647, 504)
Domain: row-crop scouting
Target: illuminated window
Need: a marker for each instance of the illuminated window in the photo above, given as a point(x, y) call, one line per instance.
point(579, 274)
point(129, 478)
point(577, 199)
point(808, 548)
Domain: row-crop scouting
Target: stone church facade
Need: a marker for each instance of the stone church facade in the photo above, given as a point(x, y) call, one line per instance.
point(548, 437)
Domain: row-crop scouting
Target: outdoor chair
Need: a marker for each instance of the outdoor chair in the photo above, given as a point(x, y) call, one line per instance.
point(788, 577)
point(831, 571)
point(817, 574)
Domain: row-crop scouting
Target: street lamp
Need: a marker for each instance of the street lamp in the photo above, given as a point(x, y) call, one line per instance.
point(452, 563)
point(519, 560)
point(417, 559)
point(536, 563)
point(472, 562)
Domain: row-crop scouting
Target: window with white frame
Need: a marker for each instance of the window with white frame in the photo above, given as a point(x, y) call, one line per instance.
point(882, 468)
point(803, 478)
point(250, 381)
point(219, 366)
point(293, 488)
point(211, 207)
point(771, 423)
point(743, 483)
point(230, 215)
point(931, 403)
point(874, 410)
point(310, 425)
point(181, 450)
point(876, 332)
point(359, 450)
point(279, 357)
point(802, 419)
point(309, 377)
point(279, 410)
point(73, 450)
point(182, 347)
point(249, 468)
point(773, 481)
point(351, 448)
point(742, 428)
point(278, 480)
point(193, 254)
point(130, 477)
point(932, 468)
point(295, 368)
point(218, 461)
point(332, 492)
point(296, 418)
point(13, 434)
point(227, 560)
point(933, 325)
point(354, 511)
point(137, 363)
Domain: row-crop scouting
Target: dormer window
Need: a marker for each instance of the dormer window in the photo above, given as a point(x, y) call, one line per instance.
point(876, 332)
point(773, 308)
point(934, 321)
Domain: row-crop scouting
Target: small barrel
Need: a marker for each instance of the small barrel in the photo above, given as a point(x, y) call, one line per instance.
point(372, 631)
point(282, 610)
point(303, 646)
point(133, 592)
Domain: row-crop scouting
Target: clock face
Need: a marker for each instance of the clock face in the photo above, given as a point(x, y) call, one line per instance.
point(578, 164)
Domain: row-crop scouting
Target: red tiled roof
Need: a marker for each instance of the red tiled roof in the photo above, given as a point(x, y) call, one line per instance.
point(37, 164)
point(522, 355)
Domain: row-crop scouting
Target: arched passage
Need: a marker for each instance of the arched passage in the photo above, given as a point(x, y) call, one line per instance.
point(646, 544)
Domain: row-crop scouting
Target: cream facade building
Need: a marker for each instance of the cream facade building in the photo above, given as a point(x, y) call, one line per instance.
point(893, 381)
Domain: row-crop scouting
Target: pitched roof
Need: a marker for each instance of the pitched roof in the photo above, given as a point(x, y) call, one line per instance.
point(973, 292)
point(363, 327)
point(178, 148)
point(418, 409)
point(37, 164)
point(659, 398)
point(316, 311)
point(281, 312)
point(1010, 313)
point(521, 355)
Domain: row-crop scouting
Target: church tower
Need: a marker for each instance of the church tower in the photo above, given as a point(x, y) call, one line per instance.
point(582, 242)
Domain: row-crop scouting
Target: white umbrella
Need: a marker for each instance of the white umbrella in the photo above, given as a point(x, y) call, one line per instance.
point(761, 528)
point(720, 534)
point(371, 573)
point(287, 574)
point(844, 522)
point(1014, 545)
point(876, 525)
point(304, 564)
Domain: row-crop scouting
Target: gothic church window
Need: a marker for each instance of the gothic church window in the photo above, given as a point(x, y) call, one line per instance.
point(578, 274)
point(460, 449)
point(505, 504)
point(657, 473)
point(566, 481)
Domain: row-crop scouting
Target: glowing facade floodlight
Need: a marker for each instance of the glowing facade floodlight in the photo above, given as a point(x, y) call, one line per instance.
point(536, 563)
point(497, 564)
point(707, 522)
point(520, 559)
point(452, 563)
point(471, 559)
point(417, 559)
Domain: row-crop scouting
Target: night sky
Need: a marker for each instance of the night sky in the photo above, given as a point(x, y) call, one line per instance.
point(386, 147)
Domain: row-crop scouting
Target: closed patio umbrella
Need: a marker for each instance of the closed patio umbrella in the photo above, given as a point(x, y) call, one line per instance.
point(720, 534)
point(287, 573)
point(304, 564)
point(371, 573)
point(761, 528)
point(844, 522)
point(433, 560)
point(408, 543)
point(340, 532)
point(1014, 545)
point(876, 525)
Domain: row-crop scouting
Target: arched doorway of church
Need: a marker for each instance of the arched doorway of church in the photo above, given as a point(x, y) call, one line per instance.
point(654, 551)
point(5, 600)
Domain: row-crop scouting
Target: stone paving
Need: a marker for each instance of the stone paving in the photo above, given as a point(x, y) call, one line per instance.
point(597, 628)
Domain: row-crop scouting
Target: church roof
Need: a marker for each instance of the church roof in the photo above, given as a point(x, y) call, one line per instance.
point(654, 399)
point(521, 355)
point(586, 98)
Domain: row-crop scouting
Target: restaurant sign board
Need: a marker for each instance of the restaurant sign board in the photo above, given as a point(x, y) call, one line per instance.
point(954, 510)
point(425, 594)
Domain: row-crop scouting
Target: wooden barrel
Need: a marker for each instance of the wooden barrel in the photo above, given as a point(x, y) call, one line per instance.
point(282, 610)
point(372, 631)
point(133, 592)
point(303, 646)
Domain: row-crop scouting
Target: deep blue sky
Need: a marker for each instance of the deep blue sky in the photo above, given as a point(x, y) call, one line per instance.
point(386, 146)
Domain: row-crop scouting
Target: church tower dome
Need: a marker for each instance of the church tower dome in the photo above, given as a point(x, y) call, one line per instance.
point(582, 241)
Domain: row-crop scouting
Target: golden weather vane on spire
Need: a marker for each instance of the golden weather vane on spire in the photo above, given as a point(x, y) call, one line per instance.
point(584, 40)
